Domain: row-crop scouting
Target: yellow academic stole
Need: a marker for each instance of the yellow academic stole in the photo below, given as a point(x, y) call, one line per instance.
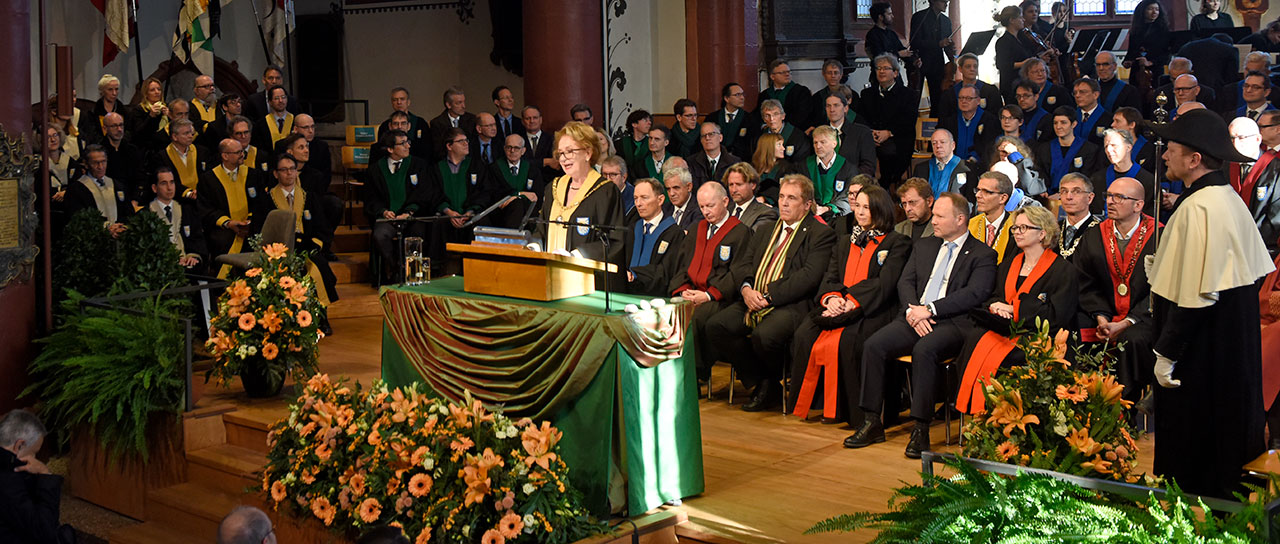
point(237, 206)
point(188, 174)
point(276, 133)
point(207, 115)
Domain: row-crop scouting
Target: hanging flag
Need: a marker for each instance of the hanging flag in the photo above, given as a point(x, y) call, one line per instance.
point(119, 28)
point(192, 40)
point(278, 23)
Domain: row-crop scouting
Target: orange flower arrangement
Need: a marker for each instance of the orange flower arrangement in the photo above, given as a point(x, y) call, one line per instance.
point(1055, 415)
point(266, 322)
point(438, 471)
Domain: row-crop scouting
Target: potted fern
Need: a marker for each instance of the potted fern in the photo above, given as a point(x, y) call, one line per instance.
point(267, 324)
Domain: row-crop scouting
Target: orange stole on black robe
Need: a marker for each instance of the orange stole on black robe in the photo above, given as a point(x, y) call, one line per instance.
point(993, 347)
point(825, 354)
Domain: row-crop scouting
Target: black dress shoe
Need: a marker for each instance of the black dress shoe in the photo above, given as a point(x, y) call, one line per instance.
point(919, 440)
point(765, 397)
point(871, 432)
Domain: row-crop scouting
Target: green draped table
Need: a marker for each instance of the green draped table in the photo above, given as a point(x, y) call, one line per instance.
point(622, 389)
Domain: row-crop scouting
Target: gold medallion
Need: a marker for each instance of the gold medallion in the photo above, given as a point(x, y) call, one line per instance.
point(1122, 289)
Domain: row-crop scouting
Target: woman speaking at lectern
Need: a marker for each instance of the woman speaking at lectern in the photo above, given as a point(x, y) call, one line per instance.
point(579, 201)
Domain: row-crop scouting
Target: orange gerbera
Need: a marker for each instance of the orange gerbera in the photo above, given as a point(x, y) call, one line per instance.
point(304, 318)
point(492, 536)
point(278, 491)
point(461, 444)
point(287, 282)
point(420, 485)
point(275, 251)
point(269, 350)
point(1073, 393)
point(370, 509)
point(1006, 450)
point(424, 537)
point(357, 484)
point(323, 510)
point(247, 321)
point(510, 525)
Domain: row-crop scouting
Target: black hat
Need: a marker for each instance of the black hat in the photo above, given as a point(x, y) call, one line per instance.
point(1203, 131)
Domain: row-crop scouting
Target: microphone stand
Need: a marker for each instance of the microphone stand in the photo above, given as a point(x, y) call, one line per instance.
point(601, 232)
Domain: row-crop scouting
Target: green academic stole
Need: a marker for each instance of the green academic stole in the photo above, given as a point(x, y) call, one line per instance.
point(519, 179)
point(395, 183)
point(455, 185)
point(824, 184)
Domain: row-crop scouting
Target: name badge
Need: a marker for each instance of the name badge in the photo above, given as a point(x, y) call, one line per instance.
point(982, 103)
point(528, 184)
point(413, 179)
point(725, 252)
point(980, 127)
point(306, 215)
point(253, 193)
point(742, 131)
point(1262, 193)
point(186, 230)
point(419, 134)
point(791, 149)
point(583, 227)
point(120, 196)
point(202, 165)
point(1098, 131)
point(662, 247)
point(839, 185)
point(264, 167)
point(1052, 100)
point(961, 178)
point(1077, 162)
point(473, 179)
point(881, 256)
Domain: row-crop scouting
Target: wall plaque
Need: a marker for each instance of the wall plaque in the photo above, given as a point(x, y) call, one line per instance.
point(18, 219)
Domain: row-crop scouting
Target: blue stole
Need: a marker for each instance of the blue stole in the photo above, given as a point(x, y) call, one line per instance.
point(1137, 148)
point(1029, 126)
point(965, 133)
point(644, 244)
point(1110, 102)
point(1085, 128)
point(1044, 93)
point(1111, 173)
point(1060, 164)
point(940, 180)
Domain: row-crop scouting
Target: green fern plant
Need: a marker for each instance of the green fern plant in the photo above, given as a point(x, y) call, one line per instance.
point(86, 256)
point(111, 372)
point(148, 260)
point(976, 507)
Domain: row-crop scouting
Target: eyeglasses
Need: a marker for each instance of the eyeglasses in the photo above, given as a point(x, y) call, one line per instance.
point(458, 141)
point(1019, 229)
point(513, 147)
point(982, 191)
point(1266, 126)
point(710, 135)
point(1247, 136)
point(1024, 95)
point(909, 203)
point(968, 98)
point(1122, 198)
point(1185, 89)
point(209, 86)
point(1009, 118)
point(283, 169)
point(781, 73)
point(569, 153)
point(1076, 192)
point(1252, 87)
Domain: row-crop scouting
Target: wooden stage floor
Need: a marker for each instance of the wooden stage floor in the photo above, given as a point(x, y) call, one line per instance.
point(768, 476)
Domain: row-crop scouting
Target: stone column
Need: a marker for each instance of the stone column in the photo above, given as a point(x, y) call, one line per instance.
point(724, 46)
point(563, 59)
point(18, 324)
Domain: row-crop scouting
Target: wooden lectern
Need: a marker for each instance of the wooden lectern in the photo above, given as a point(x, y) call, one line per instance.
point(511, 271)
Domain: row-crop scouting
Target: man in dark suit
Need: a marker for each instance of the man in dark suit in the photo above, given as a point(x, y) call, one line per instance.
point(518, 177)
point(321, 158)
point(890, 109)
point(1215, 59)
point(779, 278)
point(681, 208)
point(398, 190)
point(793, 98)
point(1184, 88)
point(256, 105)
point(653, 243)
point(946, 276)
point(855, 142)
point(97, 190)
point(183, 221)
point(416, 127)
point(508, 123)
point(454, 116)
point(485, 145)
point(538, 144)
point(737, 125)
point(742, 180)
point(974, 129)
point(712, 161)
point(227, 227)
point(705, 276)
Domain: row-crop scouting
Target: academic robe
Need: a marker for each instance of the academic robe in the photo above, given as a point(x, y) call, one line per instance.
point(186, 174)
point(1118, 94)
point(631, 151)
point(739, 134)
point(473, 193)
point(1096, 258)
point(654, 278)
point(770, 182)
point(894, 110)
point(420, 143)
point(857, 146)
point(90, 125)
point(957, 180)
point(601, 206)
point(1269, 307)
point(1264, 205)
point(311, 233)
point(1211, 425)
point(214, 208)
point(528, 178)
point(700, 167)
point(795, 99)
point(796, 145)
point(1053, 296)
point(877, 302)
point(989, 98)
point(185, 231)
point(985, 130)
point(707, 265)
point(819, 106)
point(1067, 247)
point(1005, 246)
point(420, 196)
point(683, 143)
point(1085, 160)
point(127, 165)
point(831, 186)
point(116, 198)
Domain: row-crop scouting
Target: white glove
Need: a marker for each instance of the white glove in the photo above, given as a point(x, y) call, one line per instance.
point(1164, 372)
point(1148, 262)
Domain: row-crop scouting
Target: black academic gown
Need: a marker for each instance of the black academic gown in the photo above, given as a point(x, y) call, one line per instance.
point(878, 304)
point(894, 110)
point(1009, 50)
point(739, 134)
point(989, 99)
point(211, 203)
point(858, 147)
point(79, 197)
point(683, 143)
point(631, 151)
point(796, 144)
point(795, 99)
point(984, 136)
point(1113, 99)
point(654, 279)
point(1264, 204)
point(441, 124)
point(602, 206)
point(528, 178)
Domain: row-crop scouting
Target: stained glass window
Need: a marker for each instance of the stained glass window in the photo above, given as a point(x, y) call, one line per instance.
point(864, 9)
point(1090, 7)
point(1125, 7)
point(1046, 7)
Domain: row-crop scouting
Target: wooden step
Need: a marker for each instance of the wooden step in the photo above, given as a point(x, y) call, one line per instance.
point(351, 267)
point(348, 239)
point(151, 532)
point(246, 431)
point(225, 467)
point(358, 300)
point(196, 508)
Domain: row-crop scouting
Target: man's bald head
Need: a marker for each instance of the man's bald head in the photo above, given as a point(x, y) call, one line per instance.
point(246, 525)
point(674, 162)
point(1129, 187)
point(1246, 136)
point(1123, 209)
point(486, 125)
point(713, 201)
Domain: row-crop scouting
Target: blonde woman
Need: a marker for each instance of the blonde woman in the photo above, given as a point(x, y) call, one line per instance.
point(579, 200)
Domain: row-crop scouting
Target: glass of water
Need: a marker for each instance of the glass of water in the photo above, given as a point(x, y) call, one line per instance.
point(412, 260)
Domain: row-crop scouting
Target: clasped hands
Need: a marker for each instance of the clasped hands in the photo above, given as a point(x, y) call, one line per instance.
point(695, 296)
point(1108, 330)
point(458, 219)
point(754, 299)
point(920, 319)
point(834, 306)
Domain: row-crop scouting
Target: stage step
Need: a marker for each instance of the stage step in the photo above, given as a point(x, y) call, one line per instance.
point(227, 468)
point(351, 267)
point(195, 508)
point(246, 431)
point(151, 532)
point(349, 239)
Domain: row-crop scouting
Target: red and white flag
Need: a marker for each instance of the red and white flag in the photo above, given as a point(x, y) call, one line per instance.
point(119, 28)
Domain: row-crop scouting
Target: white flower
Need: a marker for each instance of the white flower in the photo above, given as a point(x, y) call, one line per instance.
point(466, 530)
point(501, 434)
point(262, 284)
point(511, 431)
point(253, 350)
point(529, 522)
point(428, 463)
point(529, 489)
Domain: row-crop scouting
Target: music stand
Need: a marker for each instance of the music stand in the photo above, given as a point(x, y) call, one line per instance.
point(978, 42)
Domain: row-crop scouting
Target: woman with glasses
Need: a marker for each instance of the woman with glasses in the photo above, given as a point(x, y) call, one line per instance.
point(770, 159)
point(1034, 284)
point(1117, 147)
point(582, 210)
point(1049, 95)
point(1011, 121)
point(858, 296)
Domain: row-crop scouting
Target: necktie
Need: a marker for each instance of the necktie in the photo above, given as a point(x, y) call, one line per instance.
point(737, 211)
point(648, 229)
point(730, 116)
point(1081, 116)
point(1070, 235)
point(991, 234)
point(395, 165)
point(932, 290)
point(1253, 114)
point(289, 198)
point(535, 142)
point(711, 231)
point(280, 123)
point(484, 152)
point(679, 214)
point(515, 170)
point(168, 213)
point(713, 167)
point(454, 122)
point(100, 182)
